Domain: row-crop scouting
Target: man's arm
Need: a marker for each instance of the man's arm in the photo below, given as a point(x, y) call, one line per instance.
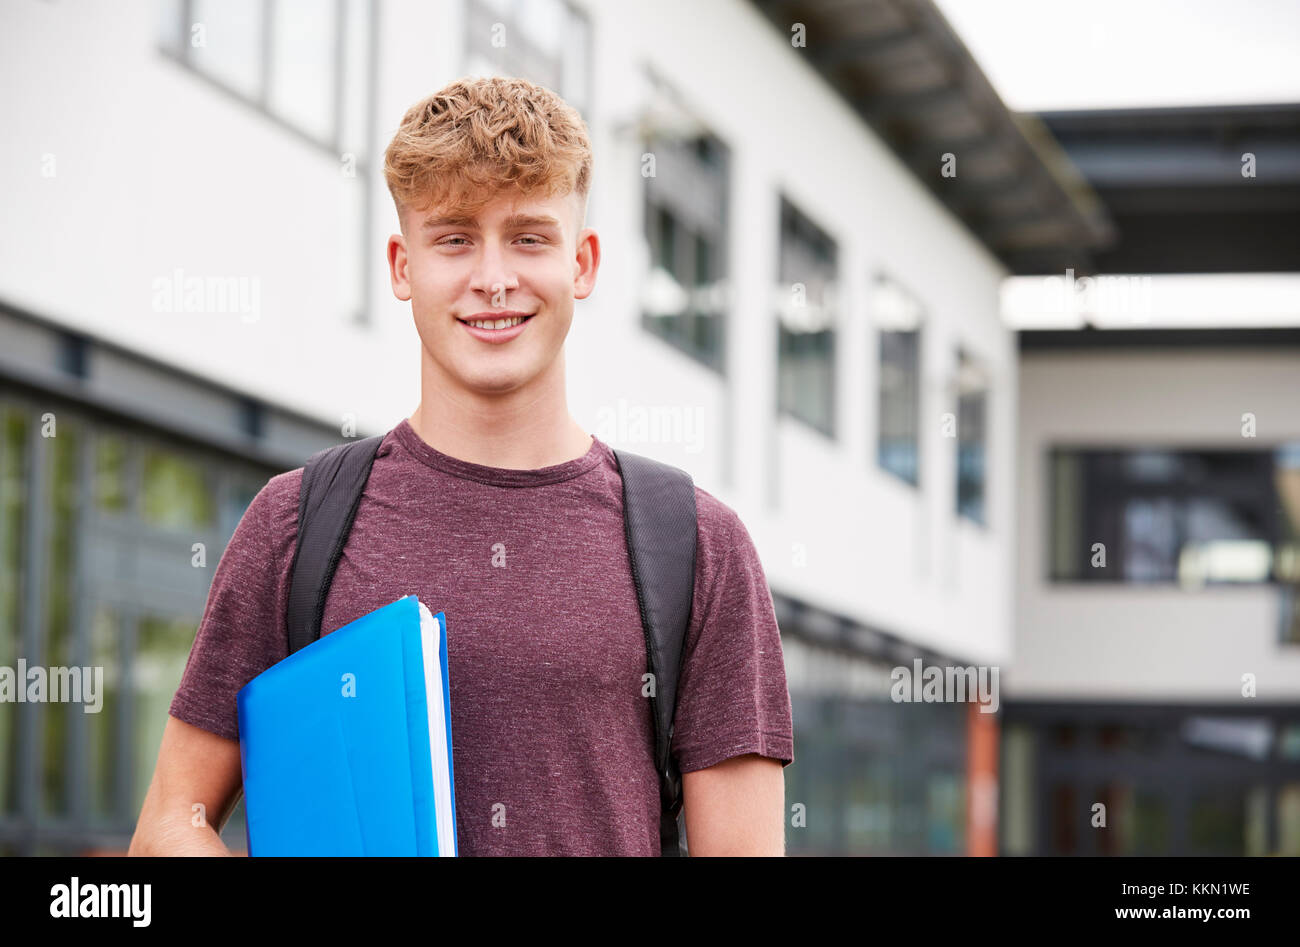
point(736, 807)
point(193, 766)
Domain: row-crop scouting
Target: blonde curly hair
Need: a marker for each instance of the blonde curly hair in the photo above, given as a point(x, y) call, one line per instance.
point(461, 147)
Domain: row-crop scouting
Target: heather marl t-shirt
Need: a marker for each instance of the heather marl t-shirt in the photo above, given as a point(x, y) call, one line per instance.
point(552, 740)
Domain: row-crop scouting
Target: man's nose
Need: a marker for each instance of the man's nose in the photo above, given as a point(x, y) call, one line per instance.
point(493, 271)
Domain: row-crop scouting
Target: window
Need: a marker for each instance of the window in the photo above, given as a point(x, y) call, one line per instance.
point(15, 489)
point(162, 648)
point(176, 491)
point(235, 501)
point(806, 308)
point(97, 569)
point(105, 754)
point(1161, 515)
point(898, 316)
point(883, 778)
point(110, 489)
point(684, 298)
point(545, 41)
point(63, 453)
point(971, 408)
point(304, 62)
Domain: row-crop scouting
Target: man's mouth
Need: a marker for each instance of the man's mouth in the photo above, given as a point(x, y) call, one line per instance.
point(498, 323)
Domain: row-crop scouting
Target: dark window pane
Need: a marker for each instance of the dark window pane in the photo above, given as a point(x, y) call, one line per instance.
point(1217, 823)
point(806, 376)
point(1288, 819)
point(241, 494)
point(946, 824)
point(175, 491)
point(162, 649)
point(14, 489)
point(899, 424)
point(102, 728)
point(1065, 818)
point(971, 421)
point(110, 473)
point(970, 457)
point(62, 468)
point(684, 298)
point(1138, 822)
point(666, 255)
point(1187, 516)
point(806, 321)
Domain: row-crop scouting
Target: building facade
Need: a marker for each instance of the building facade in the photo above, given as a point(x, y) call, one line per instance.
point(1157, 670)
point(194, 286)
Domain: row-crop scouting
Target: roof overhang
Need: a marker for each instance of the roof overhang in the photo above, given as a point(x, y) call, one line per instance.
point(906, 72)
point(1192, 190)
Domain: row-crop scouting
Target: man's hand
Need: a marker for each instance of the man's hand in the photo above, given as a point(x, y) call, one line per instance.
point(736, 807)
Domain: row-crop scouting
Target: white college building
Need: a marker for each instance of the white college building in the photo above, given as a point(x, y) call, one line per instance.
point(792, 307)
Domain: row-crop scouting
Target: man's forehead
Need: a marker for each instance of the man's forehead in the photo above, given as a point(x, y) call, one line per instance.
point(518, 219)
point(538, 213)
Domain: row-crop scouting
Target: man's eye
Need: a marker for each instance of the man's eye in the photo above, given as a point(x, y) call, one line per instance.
point(534, 239)
point(446, 242)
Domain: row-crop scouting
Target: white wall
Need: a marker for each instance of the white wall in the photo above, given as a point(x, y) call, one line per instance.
point(876, 549)
point(156, 170)
point(1129, 641)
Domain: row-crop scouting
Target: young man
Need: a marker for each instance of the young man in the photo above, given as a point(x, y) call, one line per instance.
point(493, 505)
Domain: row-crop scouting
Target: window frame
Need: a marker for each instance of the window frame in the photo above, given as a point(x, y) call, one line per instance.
point(656, 201)
point(362, 165)
point(26, 824)
point(793, 221)
point(880, 278)
point(1180, 491)
point(183, 55)
point(476, 12)
point(980, 395)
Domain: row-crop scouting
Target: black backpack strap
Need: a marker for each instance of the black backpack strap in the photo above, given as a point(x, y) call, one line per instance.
point(332, 482)
point(659, 520)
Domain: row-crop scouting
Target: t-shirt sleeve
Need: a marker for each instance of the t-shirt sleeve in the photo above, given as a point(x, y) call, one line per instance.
point(732, 696)
point(242, 632)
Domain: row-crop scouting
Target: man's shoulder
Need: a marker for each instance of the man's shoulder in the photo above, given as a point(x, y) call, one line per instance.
point(278, 500)
point(719, 529)
point(273, 512)
point(714, 516)
point(282, 490)
point(284, 484)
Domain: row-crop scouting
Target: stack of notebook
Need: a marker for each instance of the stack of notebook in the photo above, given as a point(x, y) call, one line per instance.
point(346, 744)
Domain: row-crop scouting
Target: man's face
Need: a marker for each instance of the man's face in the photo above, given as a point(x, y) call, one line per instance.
point(514, 258)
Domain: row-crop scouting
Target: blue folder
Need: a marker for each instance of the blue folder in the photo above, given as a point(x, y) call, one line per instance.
point(335, 742)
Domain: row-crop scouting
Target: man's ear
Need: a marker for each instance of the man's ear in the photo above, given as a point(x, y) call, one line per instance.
point(587, 262)
point(398, 267)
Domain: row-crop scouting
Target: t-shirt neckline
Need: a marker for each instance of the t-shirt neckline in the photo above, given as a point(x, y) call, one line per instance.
point(497, 476)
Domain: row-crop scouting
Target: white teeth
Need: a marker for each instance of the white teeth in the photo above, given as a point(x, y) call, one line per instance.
point(496, 323)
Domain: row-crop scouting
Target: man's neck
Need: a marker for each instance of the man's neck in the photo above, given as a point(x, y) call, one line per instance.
point(529, 446)
point(523, 433)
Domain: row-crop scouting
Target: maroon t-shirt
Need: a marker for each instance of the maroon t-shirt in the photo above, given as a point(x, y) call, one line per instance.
point(552, 740)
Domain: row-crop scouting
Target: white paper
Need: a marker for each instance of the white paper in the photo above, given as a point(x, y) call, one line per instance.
point(439, 752)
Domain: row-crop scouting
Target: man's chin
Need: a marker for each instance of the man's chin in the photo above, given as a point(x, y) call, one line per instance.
point(492, 383)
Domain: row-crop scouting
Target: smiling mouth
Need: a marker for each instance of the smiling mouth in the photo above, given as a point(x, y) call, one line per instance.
point(496, 324)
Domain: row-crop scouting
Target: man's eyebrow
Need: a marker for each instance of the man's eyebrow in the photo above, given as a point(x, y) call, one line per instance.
point(516, 220)
point(531, 220)
point(430, 223)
